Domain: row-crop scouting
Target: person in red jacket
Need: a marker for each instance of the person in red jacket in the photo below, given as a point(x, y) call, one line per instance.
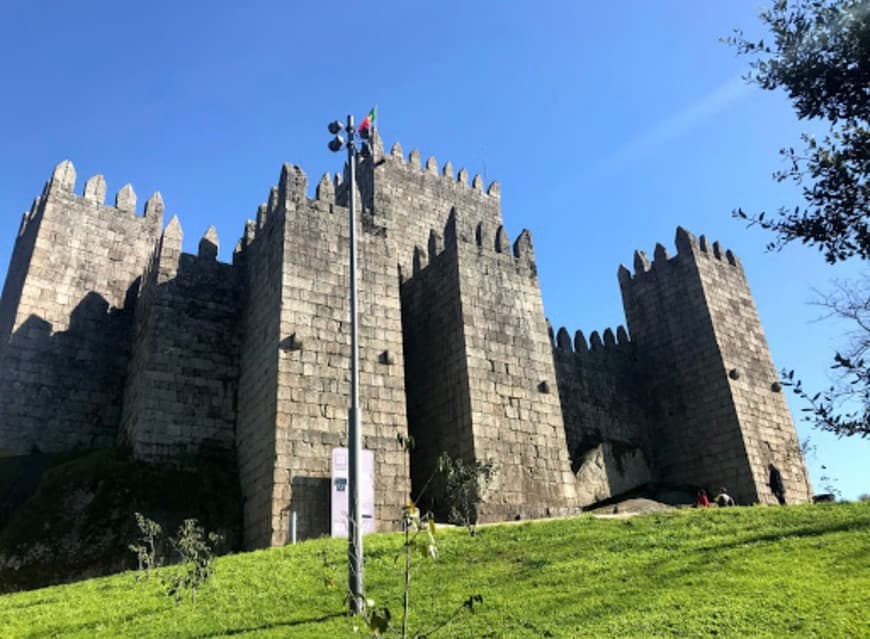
point(701, 501)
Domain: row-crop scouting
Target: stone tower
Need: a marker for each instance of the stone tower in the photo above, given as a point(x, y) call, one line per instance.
point(65, 314)
point(717, 415)
point(480, 379)
point(294, 362)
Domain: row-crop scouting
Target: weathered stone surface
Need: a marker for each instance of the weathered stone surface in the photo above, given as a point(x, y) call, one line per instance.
point(95, 189)
point(65, 319)
point(209, 245)
point(325, 190)
point(693, 322)
point(109, 332)
point(611, 469)
point(64, 176)
point(125, 200)
point(154, 206)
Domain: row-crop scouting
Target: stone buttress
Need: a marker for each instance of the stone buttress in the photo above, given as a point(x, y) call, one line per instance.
point(182, 379)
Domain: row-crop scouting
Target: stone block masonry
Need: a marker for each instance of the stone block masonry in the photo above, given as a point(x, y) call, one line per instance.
point(180, 395)
point(261, 273)
point(110, 334)
point(717, 417)
point(66, 314)
point(438, 382)
point(314, 363)
point(604, 405)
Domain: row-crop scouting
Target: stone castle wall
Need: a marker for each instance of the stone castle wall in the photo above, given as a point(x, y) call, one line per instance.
point(515, 412)
point(262, 280)
point(481, 382)
point(314, 362)
point(475, 342)
point(410, 199)
point(181, 388)
point(438, 383)
point(294, 387)
point(19, 266)
point(692, 418)
point(67, 315)
point(605, 411)
point(112, 334)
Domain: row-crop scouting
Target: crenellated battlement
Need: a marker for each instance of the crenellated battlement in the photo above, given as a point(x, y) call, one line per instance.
point(168, 259)
point(287, 194)
point(459, 229)
point(63, 183)
point(444, 176)
point(688, 248)
point(290, 194)
point(163, 264)
point(487, 237)
point(605, 342)
point(28, 216)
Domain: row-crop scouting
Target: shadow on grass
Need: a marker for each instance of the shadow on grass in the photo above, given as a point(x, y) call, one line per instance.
point(859, 523)
point(35, 602)
point(217, 633)
point(683, 564)
point(269, 626)
point(59, 631)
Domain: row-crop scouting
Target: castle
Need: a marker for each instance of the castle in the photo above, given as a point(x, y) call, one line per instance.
point(111, 335)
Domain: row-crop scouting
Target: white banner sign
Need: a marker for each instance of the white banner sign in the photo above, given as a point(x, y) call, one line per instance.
point(340, 491)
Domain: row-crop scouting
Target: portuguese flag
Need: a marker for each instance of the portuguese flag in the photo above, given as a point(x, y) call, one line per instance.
point(368, 121)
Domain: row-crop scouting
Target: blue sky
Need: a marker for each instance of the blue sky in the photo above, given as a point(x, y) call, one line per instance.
point(607, 124)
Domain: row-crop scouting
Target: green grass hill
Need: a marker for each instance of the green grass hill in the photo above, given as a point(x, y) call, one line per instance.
point(796, 571)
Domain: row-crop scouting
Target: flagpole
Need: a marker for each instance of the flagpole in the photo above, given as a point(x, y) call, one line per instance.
point(356, 583)
point(355, 543)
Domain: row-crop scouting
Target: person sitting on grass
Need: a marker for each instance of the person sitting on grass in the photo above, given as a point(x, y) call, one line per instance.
point(723, 499)
point(702, 501)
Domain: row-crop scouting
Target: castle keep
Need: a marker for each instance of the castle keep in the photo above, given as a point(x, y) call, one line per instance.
point(111, 335)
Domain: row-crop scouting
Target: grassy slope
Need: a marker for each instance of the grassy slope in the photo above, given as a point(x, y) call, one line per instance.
point(744, 572)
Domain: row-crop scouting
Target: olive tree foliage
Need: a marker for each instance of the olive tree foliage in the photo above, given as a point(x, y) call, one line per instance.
point(820, 55)
point(818, 52)
point(465, 484)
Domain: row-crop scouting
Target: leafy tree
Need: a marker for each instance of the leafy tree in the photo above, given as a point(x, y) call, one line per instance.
point(820, 55)
point(464, 486)
point(196, 550)
point(146, 549)
point(466, 483)
point(419, 539)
